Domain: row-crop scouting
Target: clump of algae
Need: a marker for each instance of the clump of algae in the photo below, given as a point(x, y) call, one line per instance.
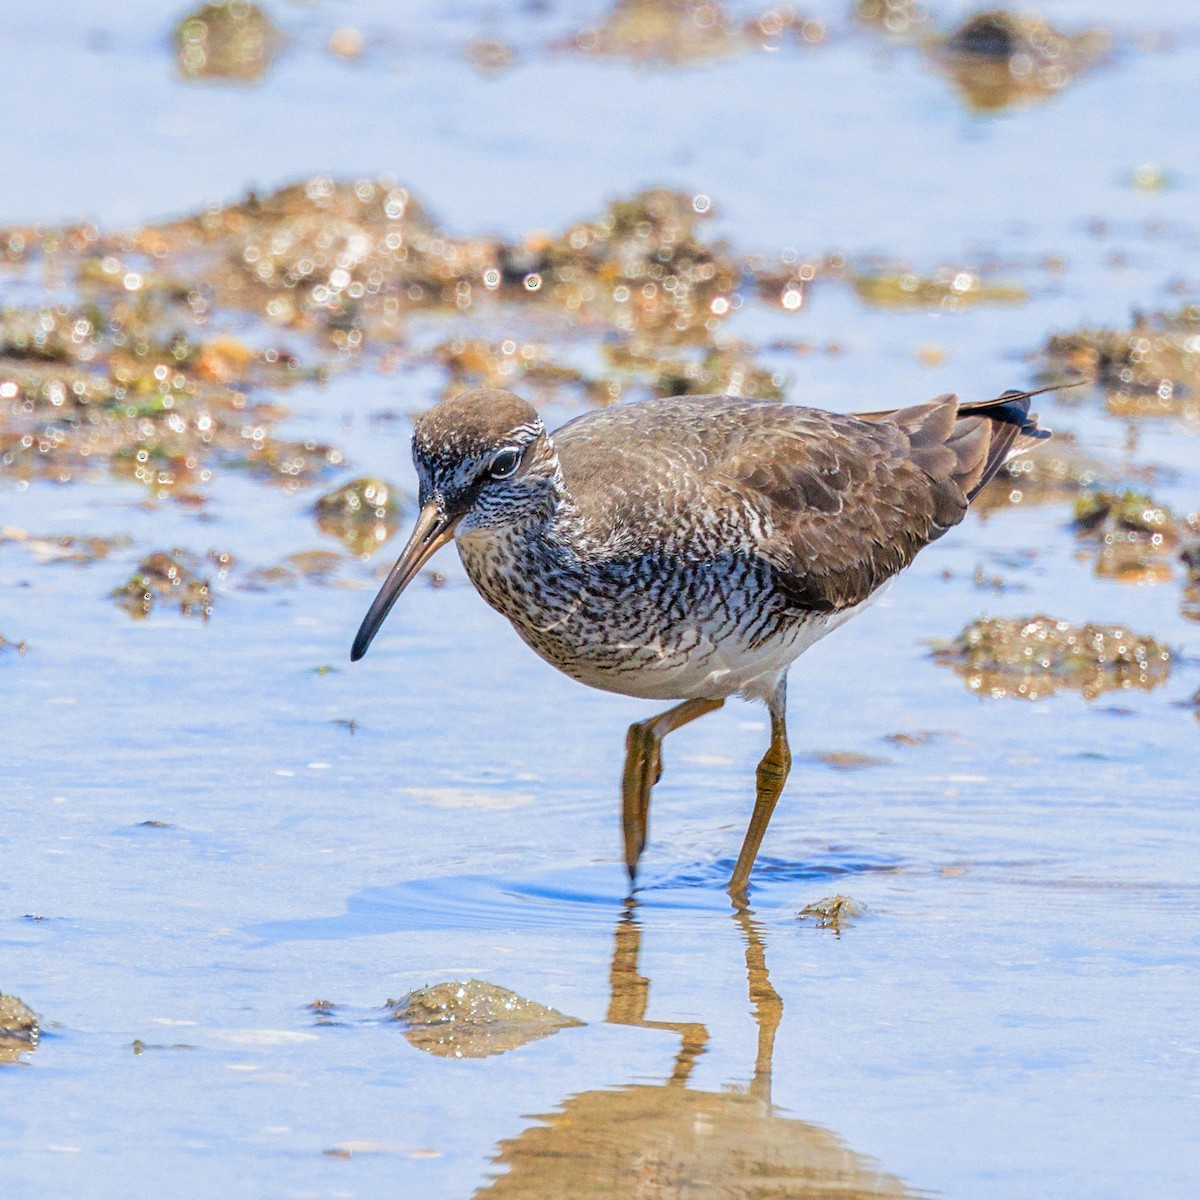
point(231, 40)
point(362, 514)
point(995, 59)
point(122, 386)
point(899, 19)
point(678, 33)
point(474, 1019)
point(998, 59)
point(19, 1029)
point(836, 912)
point(167, 575)
point(1058, 471)
point(1034, 657)
point(1133, 536)
point(1151, 368)
point(949, 288)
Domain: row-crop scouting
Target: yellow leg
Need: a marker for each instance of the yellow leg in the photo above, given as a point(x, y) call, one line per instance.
point(630, 993)
point(771, 776)
point(643, 766)
point(768, 1004)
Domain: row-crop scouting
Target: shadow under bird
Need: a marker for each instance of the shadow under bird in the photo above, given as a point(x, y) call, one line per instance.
point(691, 548)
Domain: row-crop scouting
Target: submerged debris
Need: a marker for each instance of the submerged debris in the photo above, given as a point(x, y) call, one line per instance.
point(1058, 471)
point(949, 288)
point(728, 369)
point(474, 1019)
point(1150, 369)
point(677, 33)
point(229, 39)
point(1034, 657)
point(19, 1031)
point(167, 575)
point(900, 19)
point(474, 362)
point(123, 389)
point(849, 760)
point(1133, 536)
point(361, 514)
point(490, 56)
point(65, 548)
point(997, 59)
point(1190, 557)
point(833, 912)
point(315, 566)
point(916, 737)
point(18, 647)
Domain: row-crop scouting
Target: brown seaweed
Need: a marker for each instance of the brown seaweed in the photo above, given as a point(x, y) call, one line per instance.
point(1034, 657)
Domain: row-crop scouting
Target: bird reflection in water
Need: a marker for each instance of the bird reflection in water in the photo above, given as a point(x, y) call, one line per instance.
point(673, 1142)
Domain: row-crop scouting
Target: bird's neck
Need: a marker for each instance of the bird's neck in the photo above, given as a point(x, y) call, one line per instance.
point(563, 529)
point(547, 540)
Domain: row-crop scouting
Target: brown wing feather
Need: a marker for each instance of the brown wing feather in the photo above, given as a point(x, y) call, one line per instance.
point(836, 504)
point(878, 505)
point(874, 491)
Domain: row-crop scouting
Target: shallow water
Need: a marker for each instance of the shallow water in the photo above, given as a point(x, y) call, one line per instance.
point(198, 844)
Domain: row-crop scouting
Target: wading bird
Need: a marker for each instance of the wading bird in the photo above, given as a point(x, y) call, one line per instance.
point(691, 548)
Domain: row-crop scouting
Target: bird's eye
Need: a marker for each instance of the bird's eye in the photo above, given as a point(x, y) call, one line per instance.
point(504, 464)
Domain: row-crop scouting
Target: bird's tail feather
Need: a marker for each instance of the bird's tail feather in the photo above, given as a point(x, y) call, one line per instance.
point(968, 442)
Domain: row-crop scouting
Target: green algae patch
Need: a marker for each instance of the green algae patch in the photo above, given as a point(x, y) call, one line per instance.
point(19, 1029)
point(139, 1047)
point(233, 41)
point(1149, 177)
point(1035, 657)
point(474, 1019)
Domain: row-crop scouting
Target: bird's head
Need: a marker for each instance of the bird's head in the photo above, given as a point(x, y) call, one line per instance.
point(483, 461)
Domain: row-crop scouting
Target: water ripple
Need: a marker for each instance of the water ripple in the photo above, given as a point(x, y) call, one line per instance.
point(582, 897)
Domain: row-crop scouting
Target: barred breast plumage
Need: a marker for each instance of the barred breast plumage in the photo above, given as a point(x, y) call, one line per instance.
point(691, 548)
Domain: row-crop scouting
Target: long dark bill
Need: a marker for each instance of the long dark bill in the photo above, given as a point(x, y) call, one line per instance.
point(433, 530)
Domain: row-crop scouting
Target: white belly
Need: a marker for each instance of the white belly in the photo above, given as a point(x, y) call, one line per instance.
point(611, 636)
point(733, 666)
